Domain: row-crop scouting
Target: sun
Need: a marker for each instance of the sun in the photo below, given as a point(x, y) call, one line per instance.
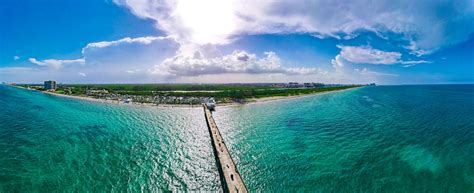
point(206, 21)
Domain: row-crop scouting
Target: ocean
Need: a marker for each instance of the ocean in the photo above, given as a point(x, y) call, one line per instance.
point(372, 139)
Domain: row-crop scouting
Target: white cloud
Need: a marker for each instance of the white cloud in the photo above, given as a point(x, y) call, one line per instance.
point(163, 59)
point(140, 40)
point(237, 62)
point(369, 55)
point(414, 62)
point(99, 53)
point(34, 61)
point(337, 62)
point(191, 60)
point(56, 64)
point(217, 21)
point(415, 50)
point(191, 25)
point(136, 71)
point(367, 72)
point(16, 57)
point(205, 21)
point(305, 71)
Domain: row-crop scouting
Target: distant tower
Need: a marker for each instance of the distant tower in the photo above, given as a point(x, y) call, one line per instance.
point(50, 85)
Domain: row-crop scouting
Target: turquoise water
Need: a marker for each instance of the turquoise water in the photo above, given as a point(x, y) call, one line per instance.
point(373, 139)
point(50, 143)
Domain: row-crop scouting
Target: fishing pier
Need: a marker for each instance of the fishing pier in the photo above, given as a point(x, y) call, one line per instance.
point(230, 176)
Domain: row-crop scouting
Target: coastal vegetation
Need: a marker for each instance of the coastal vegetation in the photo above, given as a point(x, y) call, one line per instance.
point(191, 93)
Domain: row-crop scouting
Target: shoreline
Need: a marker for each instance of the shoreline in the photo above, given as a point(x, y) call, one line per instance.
point(232, 104)
point(281, 98)
point(122, 103)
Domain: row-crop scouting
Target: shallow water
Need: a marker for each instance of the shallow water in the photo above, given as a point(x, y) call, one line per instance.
point(52, 143)
point(373, 139)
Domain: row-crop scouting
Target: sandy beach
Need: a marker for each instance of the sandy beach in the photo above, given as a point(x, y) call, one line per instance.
point(122, 103)
point(249, 101)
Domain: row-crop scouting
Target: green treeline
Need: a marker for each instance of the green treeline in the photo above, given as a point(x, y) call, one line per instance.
point(216, 91)
point(222, 92)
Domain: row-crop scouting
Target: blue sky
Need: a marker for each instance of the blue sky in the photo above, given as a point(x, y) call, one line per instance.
point(221, 41)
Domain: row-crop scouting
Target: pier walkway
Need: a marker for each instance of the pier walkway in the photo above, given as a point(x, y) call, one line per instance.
point(230, 176)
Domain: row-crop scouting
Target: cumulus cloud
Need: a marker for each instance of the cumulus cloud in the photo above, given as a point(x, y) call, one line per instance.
point(420, 27)
point(56, 64)
point(369, 55)
point(206, 21)
point(191, 26)
point(82, 74)
point(187, 59)
point(237, 62)
point(337, 62)
point(16, 57)
point(218, 21)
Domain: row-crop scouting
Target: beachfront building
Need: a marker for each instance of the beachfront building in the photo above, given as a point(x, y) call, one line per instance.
point(102, 92)
point(50, 85)
point(318, 85)
point(308, 85)
point(293, 85)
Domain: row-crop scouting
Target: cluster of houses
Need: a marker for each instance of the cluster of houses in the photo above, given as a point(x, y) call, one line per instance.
point(157, 99)
point(51, 85)
point(299, 85)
